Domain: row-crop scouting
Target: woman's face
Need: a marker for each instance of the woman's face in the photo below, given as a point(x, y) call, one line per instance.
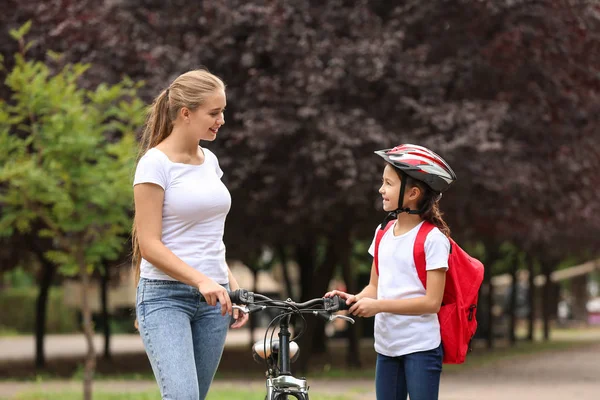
point(205, 121)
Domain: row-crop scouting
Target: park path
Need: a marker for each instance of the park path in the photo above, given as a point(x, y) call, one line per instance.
point(572, 374)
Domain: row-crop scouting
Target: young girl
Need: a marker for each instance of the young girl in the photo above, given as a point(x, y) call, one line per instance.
point(407, 330)
point(180, 210)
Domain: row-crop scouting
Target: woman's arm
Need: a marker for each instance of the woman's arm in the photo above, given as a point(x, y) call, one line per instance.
point(149, 199)
point(240, 318)
point(428, 304)
point(233, 283)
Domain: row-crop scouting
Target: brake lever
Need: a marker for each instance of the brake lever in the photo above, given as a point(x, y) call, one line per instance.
point(345, 318)
point(328, 317)
point(249, 309)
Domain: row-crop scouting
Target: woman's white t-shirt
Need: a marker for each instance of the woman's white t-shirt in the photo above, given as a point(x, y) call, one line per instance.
point(195, 206)
point(397, 335)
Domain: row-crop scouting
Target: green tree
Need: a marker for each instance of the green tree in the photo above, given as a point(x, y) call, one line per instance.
point(66, 167)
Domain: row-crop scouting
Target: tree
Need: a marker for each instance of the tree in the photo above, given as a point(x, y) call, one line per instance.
point(505, 90)
point(67, 165)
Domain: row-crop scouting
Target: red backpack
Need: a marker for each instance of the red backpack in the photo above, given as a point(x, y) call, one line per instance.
point(459, 304)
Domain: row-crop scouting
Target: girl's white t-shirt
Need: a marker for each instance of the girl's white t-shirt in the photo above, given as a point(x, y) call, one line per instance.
point(195, 206)
point(397, 335)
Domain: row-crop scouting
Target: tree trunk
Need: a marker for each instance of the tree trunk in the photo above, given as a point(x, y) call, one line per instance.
point(547, 299)
point(531, 298)
point(88, 329)
point(306, 259)
point(284, 269)
point(104, 279)
point(48, 271)
point(313, 287)
point(512, 315)
point(252, 321)
point(491, 250)
point(325, 273)
point(353, 350)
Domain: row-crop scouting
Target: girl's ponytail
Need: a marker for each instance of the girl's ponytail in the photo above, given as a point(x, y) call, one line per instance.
point(430, 206)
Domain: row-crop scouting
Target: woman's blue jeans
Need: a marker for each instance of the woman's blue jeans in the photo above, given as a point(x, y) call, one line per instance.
point(417, 374)
point(183, 337)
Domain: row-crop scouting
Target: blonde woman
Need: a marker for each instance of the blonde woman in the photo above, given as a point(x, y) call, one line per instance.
point(180, 210)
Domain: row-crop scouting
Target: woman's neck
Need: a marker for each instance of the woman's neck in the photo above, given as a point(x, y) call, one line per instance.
point(406, 222)
point(180, 143)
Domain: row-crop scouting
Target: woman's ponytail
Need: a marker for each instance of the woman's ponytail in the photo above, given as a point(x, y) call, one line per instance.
point(159, 125)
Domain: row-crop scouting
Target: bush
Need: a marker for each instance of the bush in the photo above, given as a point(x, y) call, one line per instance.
point(18, 308)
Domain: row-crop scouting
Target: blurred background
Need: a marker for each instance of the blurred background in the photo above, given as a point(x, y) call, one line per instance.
point(506, 91)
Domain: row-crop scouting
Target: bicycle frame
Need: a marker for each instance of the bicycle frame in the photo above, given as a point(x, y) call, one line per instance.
point(280, 383)
point(284, 384)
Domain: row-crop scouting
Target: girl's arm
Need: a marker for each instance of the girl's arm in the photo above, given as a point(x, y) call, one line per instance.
point(428, 304)
point(370, 291)
point(149, 199)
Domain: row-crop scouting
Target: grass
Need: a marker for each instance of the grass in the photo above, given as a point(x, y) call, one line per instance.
point(152, 395)
point(78, 396)
point(8, 332)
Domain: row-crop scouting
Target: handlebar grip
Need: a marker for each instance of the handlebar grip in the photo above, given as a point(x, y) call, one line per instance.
point(341, 303)
point(239, 296)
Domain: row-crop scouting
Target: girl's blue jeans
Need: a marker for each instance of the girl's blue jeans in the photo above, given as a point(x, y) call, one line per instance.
point(183, 337)
point(417, 374)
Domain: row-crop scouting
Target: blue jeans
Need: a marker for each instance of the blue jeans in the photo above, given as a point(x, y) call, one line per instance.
point(416, 374)
point(183, 337)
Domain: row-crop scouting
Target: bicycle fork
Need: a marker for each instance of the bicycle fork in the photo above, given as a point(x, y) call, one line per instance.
point(285, 385)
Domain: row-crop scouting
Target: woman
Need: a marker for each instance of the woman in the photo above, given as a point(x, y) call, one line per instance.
point(181, 205)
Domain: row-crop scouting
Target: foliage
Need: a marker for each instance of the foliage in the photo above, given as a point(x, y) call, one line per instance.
point(68, 160)
point(19, 277)
point(504, 90)
point(18, 311)
point(65, 172)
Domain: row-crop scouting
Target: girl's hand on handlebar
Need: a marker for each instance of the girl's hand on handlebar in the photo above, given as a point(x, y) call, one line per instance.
point(366, 307)
point(350, 298)
point(213, 293)
point(240, 319)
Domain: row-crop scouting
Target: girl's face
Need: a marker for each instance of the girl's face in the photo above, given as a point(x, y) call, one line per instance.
point(390, 191)
point(205, 121)
point(390, 188)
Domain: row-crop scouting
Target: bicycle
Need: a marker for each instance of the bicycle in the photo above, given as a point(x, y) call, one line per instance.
point(279, 354)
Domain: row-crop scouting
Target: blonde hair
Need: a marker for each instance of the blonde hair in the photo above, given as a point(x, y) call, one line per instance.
point(188, 90)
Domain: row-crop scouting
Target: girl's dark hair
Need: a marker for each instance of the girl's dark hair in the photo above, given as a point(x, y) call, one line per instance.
point(429, 203)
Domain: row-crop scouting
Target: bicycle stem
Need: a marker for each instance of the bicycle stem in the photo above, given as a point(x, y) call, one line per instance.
point(284, 346)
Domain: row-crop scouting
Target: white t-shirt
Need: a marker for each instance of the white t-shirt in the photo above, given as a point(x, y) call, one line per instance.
point(396, 335)
point(194, 210)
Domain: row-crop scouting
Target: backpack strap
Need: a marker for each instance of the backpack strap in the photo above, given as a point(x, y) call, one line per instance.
point(419, 251)
point(378, 238)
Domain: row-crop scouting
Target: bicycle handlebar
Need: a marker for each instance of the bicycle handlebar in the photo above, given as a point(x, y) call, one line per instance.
point(245, 297)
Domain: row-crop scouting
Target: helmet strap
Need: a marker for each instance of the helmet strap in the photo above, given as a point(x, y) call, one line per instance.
point(401, 207)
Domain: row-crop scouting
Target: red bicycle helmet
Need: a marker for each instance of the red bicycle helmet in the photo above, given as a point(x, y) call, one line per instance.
point(422, 164)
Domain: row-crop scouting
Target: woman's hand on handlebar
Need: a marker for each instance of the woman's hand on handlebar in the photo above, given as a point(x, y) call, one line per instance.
point(350, 298)
point(213, 293)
